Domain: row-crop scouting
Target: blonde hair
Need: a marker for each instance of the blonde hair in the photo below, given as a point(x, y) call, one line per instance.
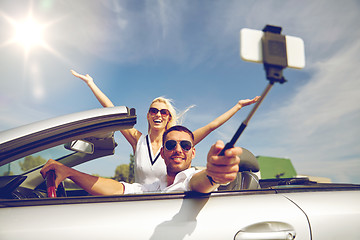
point(176, 119)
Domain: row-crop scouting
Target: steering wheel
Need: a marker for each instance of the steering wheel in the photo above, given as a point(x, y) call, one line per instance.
point(52, 192)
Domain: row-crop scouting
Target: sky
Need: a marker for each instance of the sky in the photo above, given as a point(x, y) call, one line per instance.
point(188, 51)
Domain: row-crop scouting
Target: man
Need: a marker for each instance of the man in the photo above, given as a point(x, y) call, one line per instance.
point(177, 151)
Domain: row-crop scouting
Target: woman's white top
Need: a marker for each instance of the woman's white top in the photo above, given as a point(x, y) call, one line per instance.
point(149, 167)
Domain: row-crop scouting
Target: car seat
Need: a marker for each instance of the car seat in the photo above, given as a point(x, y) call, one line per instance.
point(246, 177)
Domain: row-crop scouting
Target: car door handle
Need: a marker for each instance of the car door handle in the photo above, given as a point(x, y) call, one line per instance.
point(267, 230)
point(286, 235)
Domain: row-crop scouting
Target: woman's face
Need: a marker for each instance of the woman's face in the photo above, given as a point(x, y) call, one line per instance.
point(158, 115)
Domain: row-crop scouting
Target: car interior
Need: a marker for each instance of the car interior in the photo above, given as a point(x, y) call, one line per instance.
point(30, 184)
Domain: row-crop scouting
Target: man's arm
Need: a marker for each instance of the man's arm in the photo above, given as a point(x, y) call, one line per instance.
point(91, 184)
point(219, 169)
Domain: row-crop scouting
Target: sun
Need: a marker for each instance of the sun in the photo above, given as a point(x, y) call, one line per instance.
point(29, 33)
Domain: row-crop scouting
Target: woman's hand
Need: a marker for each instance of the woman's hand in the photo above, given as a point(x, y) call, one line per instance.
point(86, 78)
point(243, 103)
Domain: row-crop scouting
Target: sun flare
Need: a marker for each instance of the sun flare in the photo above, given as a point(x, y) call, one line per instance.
point(29, 33)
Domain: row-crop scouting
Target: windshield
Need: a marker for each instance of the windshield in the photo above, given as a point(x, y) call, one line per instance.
point(32, 161)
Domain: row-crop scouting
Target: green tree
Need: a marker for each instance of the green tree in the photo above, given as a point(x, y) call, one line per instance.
point(131, 169)
point(122, 173)
point(125, 172)
point(31, 162)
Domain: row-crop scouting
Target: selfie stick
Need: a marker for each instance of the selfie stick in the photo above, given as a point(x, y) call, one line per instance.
point(275, 60)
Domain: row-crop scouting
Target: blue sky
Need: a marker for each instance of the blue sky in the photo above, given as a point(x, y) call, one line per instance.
point(189, 51)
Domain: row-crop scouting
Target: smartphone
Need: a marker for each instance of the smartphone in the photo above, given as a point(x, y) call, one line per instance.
point(251, 48)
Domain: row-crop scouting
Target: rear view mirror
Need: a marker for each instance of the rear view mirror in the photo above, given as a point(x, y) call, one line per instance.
point(80, 146)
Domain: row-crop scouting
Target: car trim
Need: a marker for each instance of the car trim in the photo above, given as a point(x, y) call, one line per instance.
point(124, 198)
point(165, 196)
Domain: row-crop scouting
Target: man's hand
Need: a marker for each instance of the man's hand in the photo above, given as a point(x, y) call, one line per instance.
point(223, 169)
point(61, 171)
point(219, 169)
point(92, 184)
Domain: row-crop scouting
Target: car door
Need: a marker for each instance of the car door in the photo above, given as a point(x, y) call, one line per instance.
point(258, 214)
point(332, 213)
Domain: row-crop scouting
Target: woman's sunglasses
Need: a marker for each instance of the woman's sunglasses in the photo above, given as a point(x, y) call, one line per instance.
point(163, 112)
point(184, 144)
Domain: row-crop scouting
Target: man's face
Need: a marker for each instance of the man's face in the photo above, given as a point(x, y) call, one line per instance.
point(178, 159)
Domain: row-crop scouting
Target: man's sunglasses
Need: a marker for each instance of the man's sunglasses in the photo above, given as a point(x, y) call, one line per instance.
point(184, 144)
point(163, 112)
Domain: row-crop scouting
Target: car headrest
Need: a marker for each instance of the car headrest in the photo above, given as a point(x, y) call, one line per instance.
point(248, 162)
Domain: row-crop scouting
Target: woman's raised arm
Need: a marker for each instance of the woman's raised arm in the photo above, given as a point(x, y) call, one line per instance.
point(101, 97)
point(202, 132)
point(132, 135)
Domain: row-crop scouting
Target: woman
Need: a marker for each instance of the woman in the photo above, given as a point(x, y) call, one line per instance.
point(149, 165)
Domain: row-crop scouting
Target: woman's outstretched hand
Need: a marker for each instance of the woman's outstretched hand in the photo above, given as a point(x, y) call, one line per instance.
point(246, 102)
point(86, 78)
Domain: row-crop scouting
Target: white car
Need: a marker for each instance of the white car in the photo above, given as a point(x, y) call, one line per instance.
point(248, 208)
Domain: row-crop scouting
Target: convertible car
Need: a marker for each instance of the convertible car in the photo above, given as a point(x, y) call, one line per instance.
point(248, 208)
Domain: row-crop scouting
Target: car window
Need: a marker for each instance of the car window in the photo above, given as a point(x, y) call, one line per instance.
point(32, 161)
point(106, 167)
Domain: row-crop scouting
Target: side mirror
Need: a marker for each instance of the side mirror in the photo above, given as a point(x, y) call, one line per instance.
point(80, 146)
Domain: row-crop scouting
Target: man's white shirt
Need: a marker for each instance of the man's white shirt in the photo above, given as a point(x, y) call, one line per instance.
point(181, 184)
